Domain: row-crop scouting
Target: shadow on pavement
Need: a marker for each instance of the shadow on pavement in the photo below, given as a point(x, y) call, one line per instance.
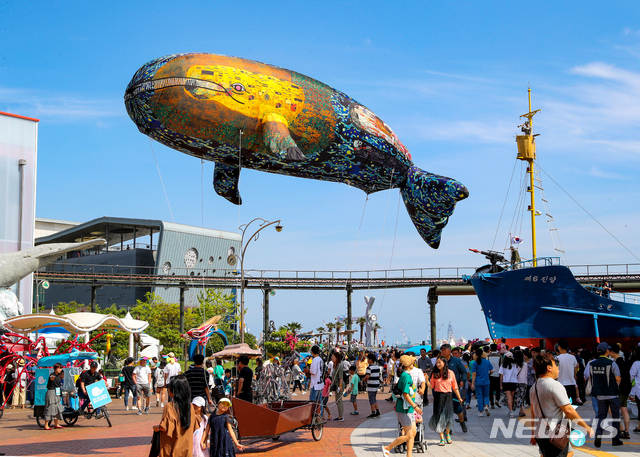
point(97, 445)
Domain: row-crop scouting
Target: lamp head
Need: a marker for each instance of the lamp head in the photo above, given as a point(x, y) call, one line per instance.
point(278, 228)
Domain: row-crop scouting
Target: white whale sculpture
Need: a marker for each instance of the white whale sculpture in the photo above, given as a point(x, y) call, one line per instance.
point(17, 265)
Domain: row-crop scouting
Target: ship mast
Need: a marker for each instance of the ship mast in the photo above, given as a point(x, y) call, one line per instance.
point(527, 152)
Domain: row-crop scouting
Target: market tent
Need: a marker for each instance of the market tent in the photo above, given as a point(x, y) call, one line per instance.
point(236, 350)
point(77, 323)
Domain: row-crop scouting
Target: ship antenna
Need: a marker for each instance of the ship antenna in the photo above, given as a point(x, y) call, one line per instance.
point(527, 152)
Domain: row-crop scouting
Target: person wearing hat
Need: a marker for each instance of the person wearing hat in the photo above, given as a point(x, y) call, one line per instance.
point(222, 437)
point(405, 408)
point(7, 383)
point(509, 380)
point(142, 378)
point(86, 379)
point(20, 390)
point(605, 381)
point(172, 369)
point(199, 404)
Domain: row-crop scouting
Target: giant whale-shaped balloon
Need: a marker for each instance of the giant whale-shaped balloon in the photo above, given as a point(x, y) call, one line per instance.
point(241, 113)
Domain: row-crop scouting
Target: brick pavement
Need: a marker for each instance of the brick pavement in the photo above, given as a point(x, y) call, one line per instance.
point(131, 434)
point(355, 437)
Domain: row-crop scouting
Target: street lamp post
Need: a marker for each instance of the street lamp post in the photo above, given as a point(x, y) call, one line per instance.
point(243, 248)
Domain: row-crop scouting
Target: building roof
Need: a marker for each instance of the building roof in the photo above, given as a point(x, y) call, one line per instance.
point(118, 229)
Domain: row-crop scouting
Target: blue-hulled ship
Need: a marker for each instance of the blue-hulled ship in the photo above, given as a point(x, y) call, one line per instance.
point(539, 301)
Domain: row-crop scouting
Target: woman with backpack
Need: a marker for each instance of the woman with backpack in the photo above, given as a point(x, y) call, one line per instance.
point(406, 406)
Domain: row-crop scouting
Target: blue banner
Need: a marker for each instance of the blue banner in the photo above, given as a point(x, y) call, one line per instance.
point(42, 378)
point(98, 394)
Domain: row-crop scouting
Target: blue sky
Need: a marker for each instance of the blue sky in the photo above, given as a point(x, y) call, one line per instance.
point(450, 78)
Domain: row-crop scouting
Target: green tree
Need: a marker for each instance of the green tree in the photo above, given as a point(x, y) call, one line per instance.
point(320, 330)
point(376, 327)
point(67, 308)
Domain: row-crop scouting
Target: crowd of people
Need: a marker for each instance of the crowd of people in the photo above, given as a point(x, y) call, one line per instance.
point(549, 382)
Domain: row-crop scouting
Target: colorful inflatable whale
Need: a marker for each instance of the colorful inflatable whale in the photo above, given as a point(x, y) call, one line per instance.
point(241, 113)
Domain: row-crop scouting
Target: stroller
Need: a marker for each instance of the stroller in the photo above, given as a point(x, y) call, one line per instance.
point(419, 442)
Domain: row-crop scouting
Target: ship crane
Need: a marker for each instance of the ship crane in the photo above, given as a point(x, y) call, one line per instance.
point(404, 335)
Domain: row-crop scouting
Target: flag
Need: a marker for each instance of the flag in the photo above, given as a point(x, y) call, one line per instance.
point(515, 241)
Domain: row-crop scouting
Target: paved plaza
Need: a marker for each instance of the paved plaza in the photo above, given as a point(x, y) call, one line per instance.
point(356, 437)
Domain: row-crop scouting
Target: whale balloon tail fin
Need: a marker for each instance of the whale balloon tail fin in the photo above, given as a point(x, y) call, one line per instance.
point(430, 200)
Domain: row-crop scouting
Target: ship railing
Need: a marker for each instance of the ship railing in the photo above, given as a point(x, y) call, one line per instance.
point(622, 297)
point(537, 262)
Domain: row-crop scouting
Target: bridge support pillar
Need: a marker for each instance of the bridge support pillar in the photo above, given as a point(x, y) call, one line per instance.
point(265, 318)
point(432, 299)
point(349, 316)
point(183, 342)
point(94, 292)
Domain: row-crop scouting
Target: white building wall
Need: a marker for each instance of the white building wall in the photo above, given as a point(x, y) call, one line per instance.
point(18, 166)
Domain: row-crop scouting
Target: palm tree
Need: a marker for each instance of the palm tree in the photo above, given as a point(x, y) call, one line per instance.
point(321, 331)
point(376, 327)
point(330, 326)
point(293, 327)
point(361, 321)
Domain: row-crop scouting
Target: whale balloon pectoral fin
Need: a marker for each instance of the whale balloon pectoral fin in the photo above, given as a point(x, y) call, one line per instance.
point(277, 138)
point(225, 182)
point(430, 200)
point(294, 154)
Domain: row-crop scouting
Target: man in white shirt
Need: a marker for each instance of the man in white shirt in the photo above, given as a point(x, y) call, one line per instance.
point(172, 369)
point(142, 378)
point(316, 375)
point(567, 369)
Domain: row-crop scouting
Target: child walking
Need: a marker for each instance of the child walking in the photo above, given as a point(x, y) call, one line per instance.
point(198, 408)
point(222, 437)
point(353, 389)
point(325, 397)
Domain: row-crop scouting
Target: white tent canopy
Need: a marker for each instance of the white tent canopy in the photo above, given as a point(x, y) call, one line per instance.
point(74, 323)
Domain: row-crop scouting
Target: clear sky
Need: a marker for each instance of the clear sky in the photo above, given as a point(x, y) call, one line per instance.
point(450, 78)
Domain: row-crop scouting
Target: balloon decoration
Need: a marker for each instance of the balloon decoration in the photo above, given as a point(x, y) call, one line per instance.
point(240, 113)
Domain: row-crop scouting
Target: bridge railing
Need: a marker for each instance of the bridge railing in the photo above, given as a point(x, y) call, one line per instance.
point(364, 275)
point(328, 275)
point(605, 270)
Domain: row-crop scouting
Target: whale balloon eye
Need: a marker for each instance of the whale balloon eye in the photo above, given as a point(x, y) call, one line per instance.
point(238, 87)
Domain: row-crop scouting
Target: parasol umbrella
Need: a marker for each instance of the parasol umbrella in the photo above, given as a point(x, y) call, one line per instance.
point(236, 350)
